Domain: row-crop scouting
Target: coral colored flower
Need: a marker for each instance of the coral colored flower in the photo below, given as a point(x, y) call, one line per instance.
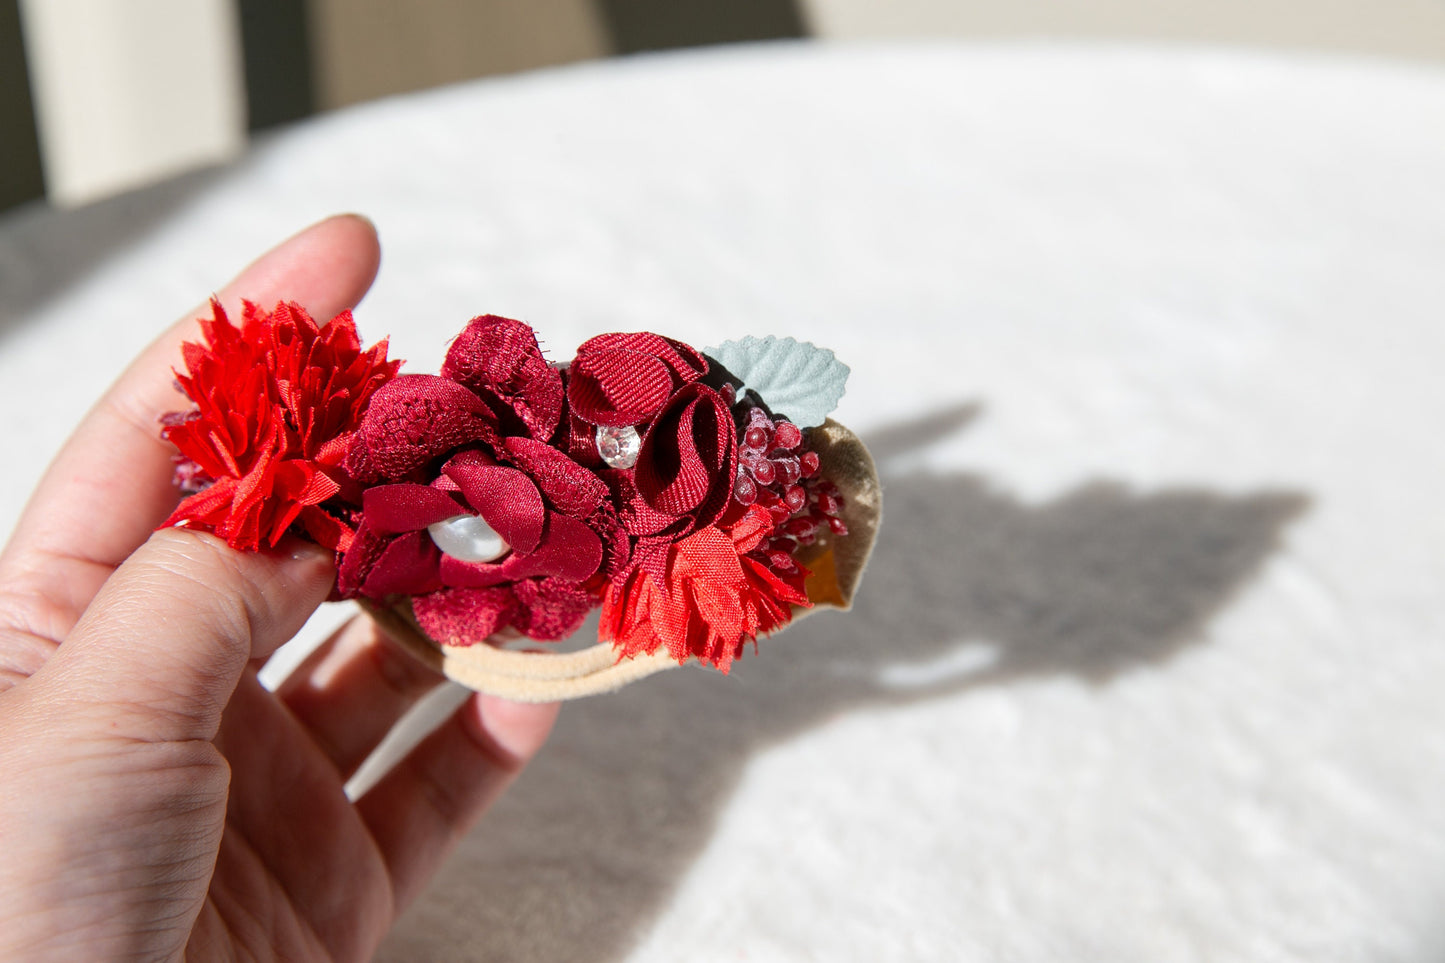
point(277, 401)
point(475, 444)
point(716, 592)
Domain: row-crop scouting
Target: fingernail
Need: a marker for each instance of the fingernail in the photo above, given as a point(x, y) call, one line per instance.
point(308, 552)
point(354, 215)
point(302, 556)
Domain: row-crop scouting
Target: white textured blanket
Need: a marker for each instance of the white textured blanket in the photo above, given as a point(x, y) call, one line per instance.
point(1150, 665)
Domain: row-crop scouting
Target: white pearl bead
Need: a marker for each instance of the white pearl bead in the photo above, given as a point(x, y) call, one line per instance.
point(468, 538)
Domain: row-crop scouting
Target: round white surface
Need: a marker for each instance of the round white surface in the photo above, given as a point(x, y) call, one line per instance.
point(1149, 664)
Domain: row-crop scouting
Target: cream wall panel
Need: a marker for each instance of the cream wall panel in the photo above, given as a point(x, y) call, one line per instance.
point(1401, 28)
point(130, 91)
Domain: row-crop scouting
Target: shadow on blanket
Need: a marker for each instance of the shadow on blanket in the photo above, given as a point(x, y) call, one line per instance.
point(968, 587)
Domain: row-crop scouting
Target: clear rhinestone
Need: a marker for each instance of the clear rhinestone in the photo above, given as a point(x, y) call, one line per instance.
point(619, 447)
point(468, 538)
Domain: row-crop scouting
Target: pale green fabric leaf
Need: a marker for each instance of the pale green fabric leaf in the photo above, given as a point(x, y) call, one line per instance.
point(795, 378)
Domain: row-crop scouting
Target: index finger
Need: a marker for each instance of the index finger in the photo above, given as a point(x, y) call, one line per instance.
point(111, 483)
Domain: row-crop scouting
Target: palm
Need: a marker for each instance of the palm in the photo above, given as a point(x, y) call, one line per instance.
point(281, 779)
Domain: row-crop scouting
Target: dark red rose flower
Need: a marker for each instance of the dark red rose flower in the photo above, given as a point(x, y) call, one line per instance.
point(683, 478)
point(518, 546)
point(277, 403)
point(495, 383)
point(717, 590)
point(473, 453)
point(624, 379)
point(689, 457)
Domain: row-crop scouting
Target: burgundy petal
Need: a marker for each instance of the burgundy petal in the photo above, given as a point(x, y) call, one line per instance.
point(416, 418)
point(687, 363)
point(505, 497)
point(465, 616)
point(638, 517)
point(458, 573)
point(408, 566)
point(499, 357)
point(356, 564)
point(570, 550)
point(689, 456)
point(551, 609)
point(568, 486)
point(618, 387)
point(581, 443)
point(406, 507)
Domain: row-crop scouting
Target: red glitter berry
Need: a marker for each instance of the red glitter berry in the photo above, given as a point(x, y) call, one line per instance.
point(744, 490)
point(788, 485)
point(787, 435)
point(795, 498)
point(801, 527)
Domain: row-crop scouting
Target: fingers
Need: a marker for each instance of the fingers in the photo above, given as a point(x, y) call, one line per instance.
point(290, 825)
point(110, 484)
point(419, 810)
point(353, 689)
point(165, 641)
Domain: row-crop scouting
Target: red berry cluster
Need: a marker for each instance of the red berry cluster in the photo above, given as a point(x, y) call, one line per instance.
point(778, 471)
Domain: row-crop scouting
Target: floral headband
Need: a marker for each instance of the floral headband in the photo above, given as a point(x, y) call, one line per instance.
point(701, 499)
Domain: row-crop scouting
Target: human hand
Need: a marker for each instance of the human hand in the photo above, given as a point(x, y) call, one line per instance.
point(155, 799)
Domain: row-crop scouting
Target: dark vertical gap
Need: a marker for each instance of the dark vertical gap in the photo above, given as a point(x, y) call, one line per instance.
point(638, 25)
point(21, 177)
point(276, 48)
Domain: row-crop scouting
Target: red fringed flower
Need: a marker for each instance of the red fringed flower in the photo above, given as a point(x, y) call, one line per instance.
point(277, 401)
point(717, 591)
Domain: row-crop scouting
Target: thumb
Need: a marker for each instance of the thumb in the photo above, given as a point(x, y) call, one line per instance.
point(167, 637)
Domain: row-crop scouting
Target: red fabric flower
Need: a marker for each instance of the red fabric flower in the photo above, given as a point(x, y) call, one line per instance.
point(684, 475)
point(277, 402)
point(716, 592)
point(499, 359)
point(495, 383)
point(548, 517)
point(689, 458)
point(478, 445)
point(625, 379)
